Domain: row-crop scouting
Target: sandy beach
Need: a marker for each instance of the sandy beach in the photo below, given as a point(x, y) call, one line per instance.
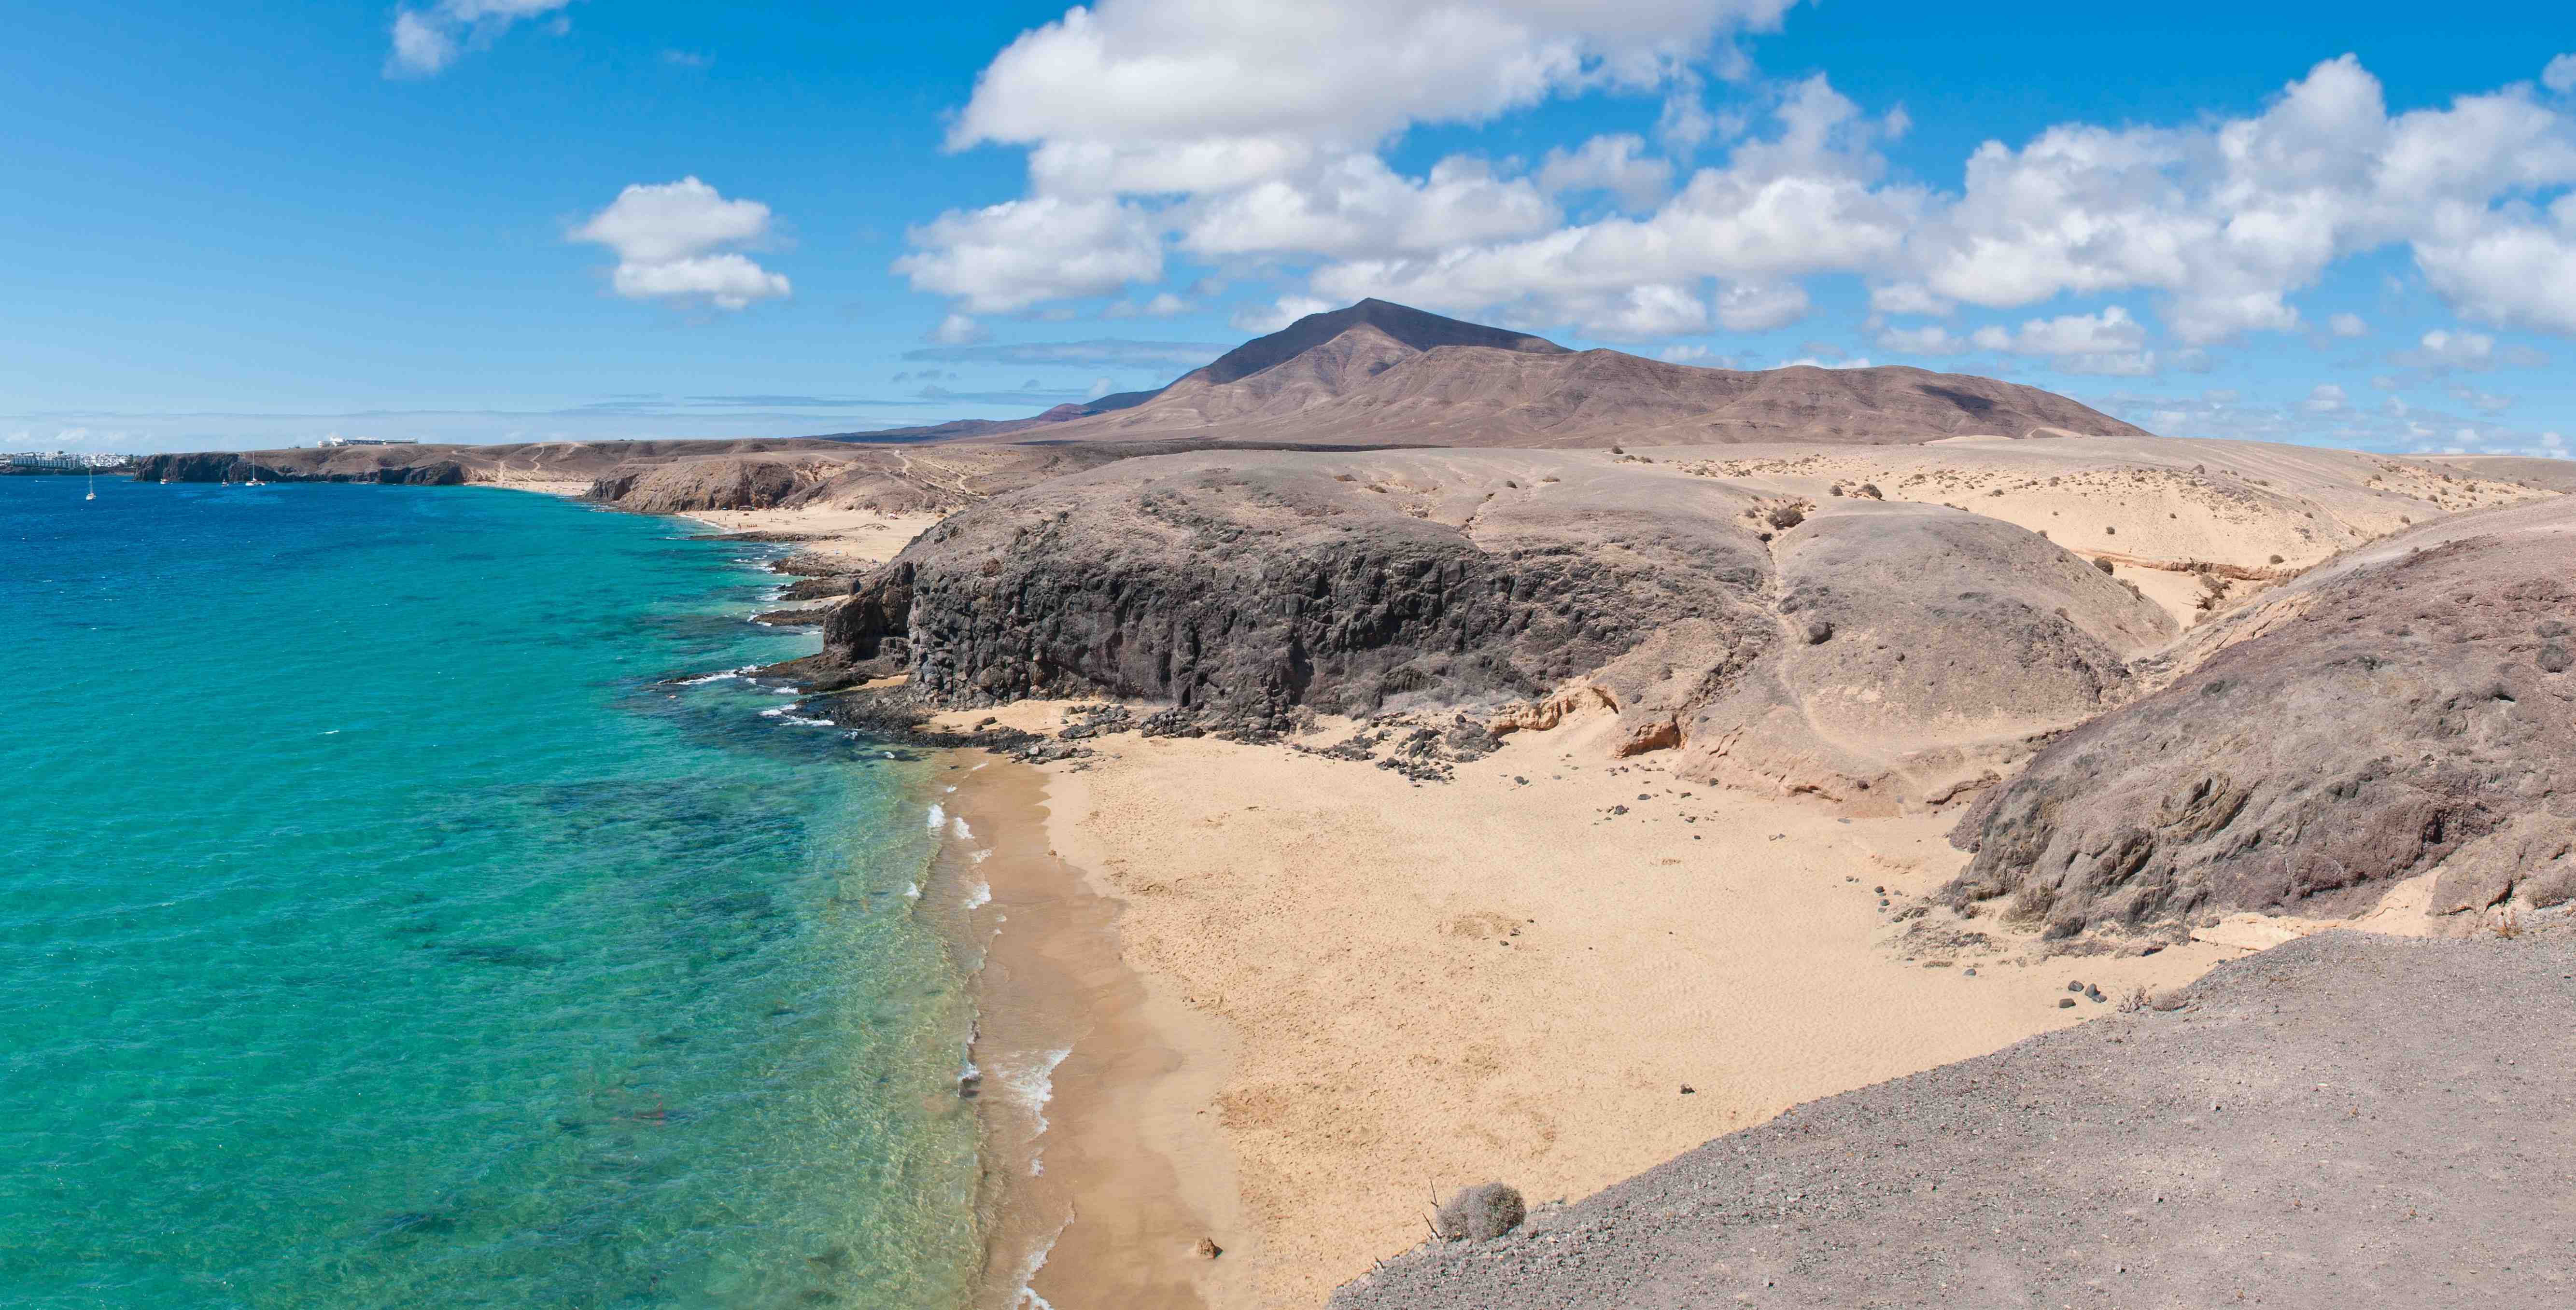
point(1282, 1002)
point(857, 536)
point(1420, 986)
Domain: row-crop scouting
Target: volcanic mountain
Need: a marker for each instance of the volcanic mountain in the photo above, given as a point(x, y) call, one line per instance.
point(1383, 374)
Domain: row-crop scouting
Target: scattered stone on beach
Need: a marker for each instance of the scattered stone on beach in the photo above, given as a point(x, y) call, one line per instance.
point(2074, 986)
point(1208, 1249)
point(2066, 1002)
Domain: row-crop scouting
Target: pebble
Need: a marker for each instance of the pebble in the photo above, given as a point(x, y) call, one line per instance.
point(1971, 973)
point(2075, 987)
point(2066, 1002)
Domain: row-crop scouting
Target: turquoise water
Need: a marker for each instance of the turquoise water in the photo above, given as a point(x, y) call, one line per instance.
point(377, 928)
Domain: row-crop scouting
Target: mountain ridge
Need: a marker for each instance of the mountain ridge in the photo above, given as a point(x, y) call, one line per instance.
point(1378, 372)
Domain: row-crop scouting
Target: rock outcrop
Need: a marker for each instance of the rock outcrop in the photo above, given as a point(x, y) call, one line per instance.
point(1825, 648)
point(2403, 710)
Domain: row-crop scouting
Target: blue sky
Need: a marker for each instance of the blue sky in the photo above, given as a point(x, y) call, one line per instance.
point(519, 219)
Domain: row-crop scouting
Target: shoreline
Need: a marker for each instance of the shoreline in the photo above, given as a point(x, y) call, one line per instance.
point(1419, 987)
point(1102, 1171)
point(1087, 1096)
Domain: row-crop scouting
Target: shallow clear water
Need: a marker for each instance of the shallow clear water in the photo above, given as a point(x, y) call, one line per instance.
point(376, 929)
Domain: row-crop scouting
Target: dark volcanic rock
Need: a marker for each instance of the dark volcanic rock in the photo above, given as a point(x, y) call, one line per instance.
point(285, 466)
point(2392, 713)
point(833, 587)
point(1387, 581)
point(1260, 580)
point(804, 618)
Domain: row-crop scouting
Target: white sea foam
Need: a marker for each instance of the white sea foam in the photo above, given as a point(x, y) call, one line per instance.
point(938, 817)
point(1033, 1084)
point(980, 897)
point(912, 891)
point(717, 677)
point(1029, 1267)
point(980, 856)
point(786, 714)
point(958, 829)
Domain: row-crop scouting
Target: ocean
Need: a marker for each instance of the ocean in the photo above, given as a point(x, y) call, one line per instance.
point(381, 927)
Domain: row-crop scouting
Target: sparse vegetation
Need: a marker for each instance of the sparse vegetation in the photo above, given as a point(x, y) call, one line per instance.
point(1479, 1213)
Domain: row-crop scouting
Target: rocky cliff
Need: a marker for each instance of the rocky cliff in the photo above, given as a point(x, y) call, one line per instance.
point(2406, 709)
point(1784, 641)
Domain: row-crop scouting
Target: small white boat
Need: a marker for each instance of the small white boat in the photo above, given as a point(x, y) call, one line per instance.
point(93, 485)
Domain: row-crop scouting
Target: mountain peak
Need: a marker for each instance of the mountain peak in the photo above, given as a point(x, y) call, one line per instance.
point(1404, 324)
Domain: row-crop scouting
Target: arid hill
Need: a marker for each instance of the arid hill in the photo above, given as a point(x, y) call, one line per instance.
point(1876, 625)
point(2407, 709)
point(1382, 374)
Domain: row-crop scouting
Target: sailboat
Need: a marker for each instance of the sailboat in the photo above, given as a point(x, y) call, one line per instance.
point(93, 485)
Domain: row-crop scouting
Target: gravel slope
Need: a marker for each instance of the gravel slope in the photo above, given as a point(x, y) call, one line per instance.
point(2343, 1121)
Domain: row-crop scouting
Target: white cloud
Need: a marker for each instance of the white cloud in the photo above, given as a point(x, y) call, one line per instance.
point(1934, 340)
point(1163, 304)
point(1760, 306)
point(2560, 76)
point(667, 238)
point(426, 41)
point(1022, 252)
point(1355, 205)
point(2325, 398)
point(1907, 298)
point(1272, 317)
point(1099, 387)
point(2442, 350)
point(1813, 362)
point(1160, 78)
point(1615, 164)
point(1699, 356)
point(2483, 402)
point(2348, 325)
point(1251, 137)
point(958, 330)
point(2109, 342)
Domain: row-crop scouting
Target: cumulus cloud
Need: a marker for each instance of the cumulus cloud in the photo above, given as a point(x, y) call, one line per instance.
point(1276, 315)
point(1253, 138)
point(2348, 325)
point(2560, 76)
point(1163, 304)
point(669, 239)
point(1616, 164)
point(1152, 81)
point(426, 41)
point(2109, 342)
point(958, 330)
point(1023, 252)
point(2325, 398)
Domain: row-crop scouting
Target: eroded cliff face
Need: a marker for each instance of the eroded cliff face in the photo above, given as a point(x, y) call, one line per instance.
point(1735, 627)
point(1279, 580)
point(298, 466)
point(2409, 710)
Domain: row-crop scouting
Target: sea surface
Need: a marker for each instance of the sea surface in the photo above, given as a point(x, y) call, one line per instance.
point(380, 928)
